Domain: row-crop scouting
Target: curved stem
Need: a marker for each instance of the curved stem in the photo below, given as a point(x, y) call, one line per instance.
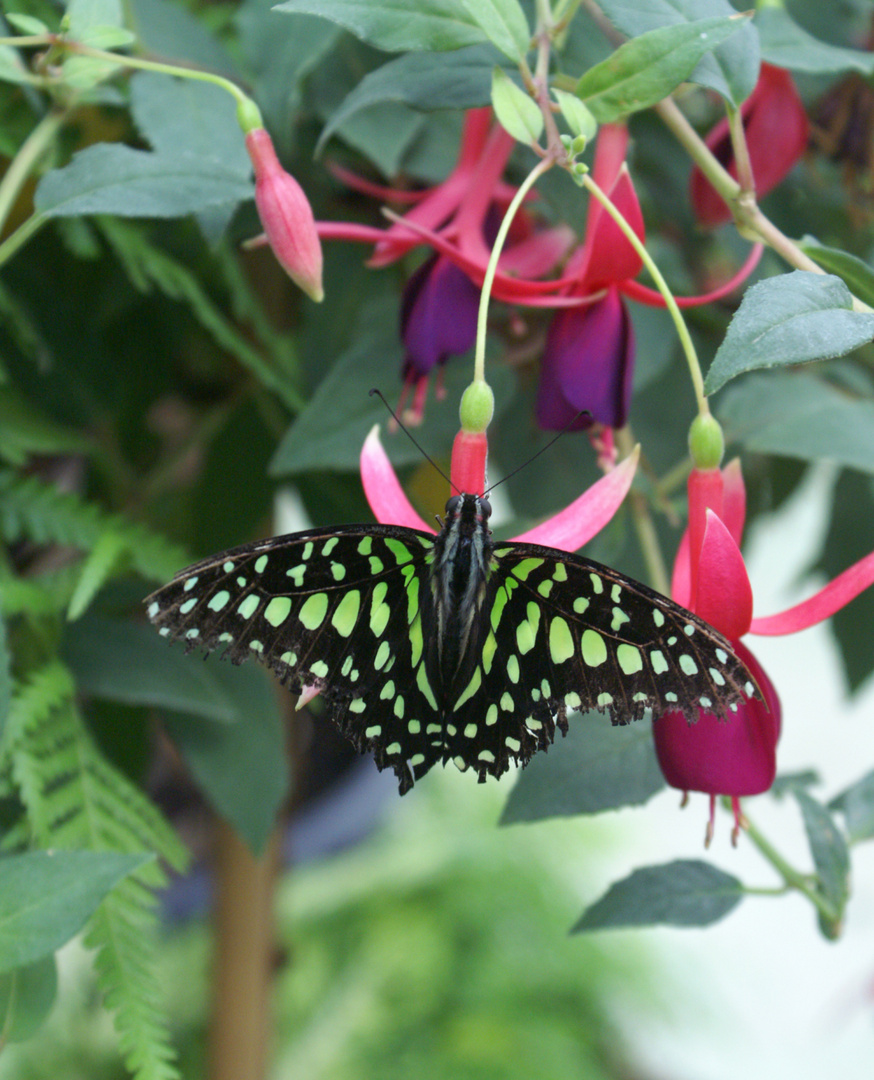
point(480, 355)
point(671, 304)
point(29, 153)
point(21, 235)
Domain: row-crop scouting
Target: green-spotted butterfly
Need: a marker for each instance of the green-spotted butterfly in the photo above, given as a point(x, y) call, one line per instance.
point(451, 647)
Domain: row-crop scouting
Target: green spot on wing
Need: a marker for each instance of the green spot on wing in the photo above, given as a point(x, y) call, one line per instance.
point(315, 608)
point(277, 610)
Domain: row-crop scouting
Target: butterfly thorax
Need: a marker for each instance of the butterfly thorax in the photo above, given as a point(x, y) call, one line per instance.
point(459, 573)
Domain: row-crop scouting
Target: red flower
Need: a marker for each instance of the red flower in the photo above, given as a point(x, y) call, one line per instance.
point(738, 757)
point(776, 129)
point(286, 215)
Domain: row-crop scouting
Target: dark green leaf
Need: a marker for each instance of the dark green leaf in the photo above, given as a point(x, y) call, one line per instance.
point(109, 178)
point(856, 803)
point(24, 431)
point(648, 68)
point(790, 319)
point(242, 768)
point(167, 29)
point(5, 675)
point(683, 893)
point(397, 25)
point(798, 415)
point(128, 662)
point(504, 24)
point(597, 767)
point(459, 80)
point(858, 275)
point(85, 14)
point(26, 998)
point(731, 69)
point(45, 898)
point(786, 783)
point(828, 848)
point(785, 44)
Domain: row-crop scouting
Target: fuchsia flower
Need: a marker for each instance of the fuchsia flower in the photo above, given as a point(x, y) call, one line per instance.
point(776, 129)
point(737, 757)
point(286, 215)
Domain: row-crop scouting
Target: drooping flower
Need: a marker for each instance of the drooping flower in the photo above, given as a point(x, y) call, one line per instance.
point(738, 757)
point(776, 129)
point(286, 215)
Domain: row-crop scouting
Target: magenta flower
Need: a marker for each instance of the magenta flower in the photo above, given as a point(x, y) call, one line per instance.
point(286, 215)
point(737, 757)
point(776, 129)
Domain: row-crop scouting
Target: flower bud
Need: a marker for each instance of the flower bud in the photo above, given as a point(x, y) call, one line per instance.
point(286, 215)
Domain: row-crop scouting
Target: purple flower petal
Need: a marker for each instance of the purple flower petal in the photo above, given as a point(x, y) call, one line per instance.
point(438, 315)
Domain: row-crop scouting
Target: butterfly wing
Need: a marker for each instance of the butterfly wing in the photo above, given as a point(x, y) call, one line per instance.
point(337, 610)
point(559, 632)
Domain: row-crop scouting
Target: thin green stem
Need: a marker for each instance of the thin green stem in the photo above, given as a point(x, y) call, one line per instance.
point(24, 162)
point(671, 304)
point(479, 363)
point(21, 235)
point(793, 878)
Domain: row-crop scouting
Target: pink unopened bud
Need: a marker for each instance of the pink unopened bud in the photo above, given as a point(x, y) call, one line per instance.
point(286, 215)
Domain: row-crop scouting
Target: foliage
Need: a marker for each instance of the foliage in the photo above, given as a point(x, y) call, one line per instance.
point(158, 380)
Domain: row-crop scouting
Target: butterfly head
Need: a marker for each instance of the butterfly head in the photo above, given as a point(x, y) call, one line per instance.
point(469, 510)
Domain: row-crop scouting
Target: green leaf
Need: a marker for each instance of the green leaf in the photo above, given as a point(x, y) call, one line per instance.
point(82, 15)
point(26, 24)
point(790, 319)
point(167, 29)
point(504, 24)
point(24, 431)
point(785, 44)
point(828, 848)
point(109, 178)
point(597, 767)
point(5, 676)
point(129, 662)
point(26, 998)
point(731, 69)
point(645, 70)
point(853, 271)
point(12, 68)
point(99, 566)
point(856, 803)
point(578, 118)
point(459, 80)
point(397, 25)
point(46, 898)
point(683, 893)
point(801, 416)
point(242, 768)
point(517, 112)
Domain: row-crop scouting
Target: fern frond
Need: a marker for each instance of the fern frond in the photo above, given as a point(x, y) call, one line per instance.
point(147, 265)
point(30, 508)
point(75, 799)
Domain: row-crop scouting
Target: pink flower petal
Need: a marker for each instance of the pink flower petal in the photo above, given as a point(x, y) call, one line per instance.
point(825, 603)
point(681, 580)
point(734, 499)
point(382, 488)
point(575, 526)
point(725, 596)
point(723, 757)
point(645, 295)
point(704, 488)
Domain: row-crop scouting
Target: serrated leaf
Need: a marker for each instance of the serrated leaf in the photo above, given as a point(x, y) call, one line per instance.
point(853, 271)
point(597, 767)
point(646, 69)
point(517, 112)
point(99, 565)
point(113, 179)
point(458, 80)
point(828, 848)
point(26, 998)
point(731, 69)
point(683, 893)
point(397, 25)
point(856, 803)
point(787, 45)
point(45, 899)
point(504, 24)
point(120, 661)
point(799, 415)
point(791, 319)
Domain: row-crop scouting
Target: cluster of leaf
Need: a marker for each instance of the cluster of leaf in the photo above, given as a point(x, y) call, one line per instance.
point(155, 383)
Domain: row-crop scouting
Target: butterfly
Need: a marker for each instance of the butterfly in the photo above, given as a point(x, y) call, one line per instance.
point(452, 647)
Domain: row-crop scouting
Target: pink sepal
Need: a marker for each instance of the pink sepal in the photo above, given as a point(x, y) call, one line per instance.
point(384, 493)
point(822, 605)
point(575, 526)
point(470, 452)
point(725, 596)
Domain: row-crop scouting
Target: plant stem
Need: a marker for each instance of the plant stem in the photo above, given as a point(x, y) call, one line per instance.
point(24, 162)
point(480, 355)
point(671, 304)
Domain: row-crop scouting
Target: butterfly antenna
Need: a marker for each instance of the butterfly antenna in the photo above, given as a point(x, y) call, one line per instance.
point(409, 435)
point(542, 450)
